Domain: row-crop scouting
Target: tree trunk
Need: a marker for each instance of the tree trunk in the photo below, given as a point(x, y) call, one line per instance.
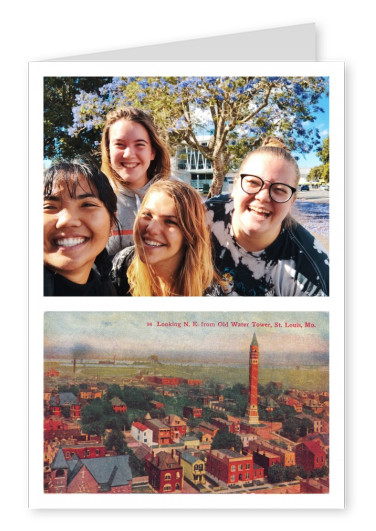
point(220, 167)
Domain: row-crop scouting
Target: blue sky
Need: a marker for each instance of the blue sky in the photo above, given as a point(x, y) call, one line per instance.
point(322, 123)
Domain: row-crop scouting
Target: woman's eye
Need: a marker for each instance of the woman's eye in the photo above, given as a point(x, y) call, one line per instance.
point(49, 207)
point(171, 222)
point(280, 191)
point(252, 182)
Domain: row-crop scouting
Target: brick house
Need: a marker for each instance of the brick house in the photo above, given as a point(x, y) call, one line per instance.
point(208, 428)
point(61, 429)
point(99, 475)
point(231, 467)
point(118, 405)
point(178, 428)
point(310, 455)
point(52, 373)
point(321, 438)
point(165, 473)
point(84, 451)
point(292, 402)
point(195, 412)
point(59, 401)
point(231, 425)
point(266, 459)
point(161, 432)
point(287, 457)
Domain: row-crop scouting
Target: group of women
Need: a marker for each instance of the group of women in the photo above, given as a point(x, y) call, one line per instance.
point(132, 229)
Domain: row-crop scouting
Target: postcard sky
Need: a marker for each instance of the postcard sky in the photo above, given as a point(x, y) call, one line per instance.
point(138, 334)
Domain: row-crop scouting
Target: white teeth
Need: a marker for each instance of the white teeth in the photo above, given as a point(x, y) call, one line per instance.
point(153, 244)
point(69, 242)
point(260, 211)
point(130, 165)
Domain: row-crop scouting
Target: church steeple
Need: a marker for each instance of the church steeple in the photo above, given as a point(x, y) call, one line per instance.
point(59, 473)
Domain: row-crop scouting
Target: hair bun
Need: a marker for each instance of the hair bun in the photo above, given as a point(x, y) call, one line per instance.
point(273, 141)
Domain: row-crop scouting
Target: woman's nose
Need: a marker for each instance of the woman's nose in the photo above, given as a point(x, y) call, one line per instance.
point(263, 193)
point(67, 217)
point(153, 226)
point(127, 152)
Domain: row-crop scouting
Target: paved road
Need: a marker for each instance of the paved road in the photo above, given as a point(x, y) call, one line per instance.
point(311, 209)
point(314, 196)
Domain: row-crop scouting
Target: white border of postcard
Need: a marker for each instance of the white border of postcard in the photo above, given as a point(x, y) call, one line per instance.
point(334, 304)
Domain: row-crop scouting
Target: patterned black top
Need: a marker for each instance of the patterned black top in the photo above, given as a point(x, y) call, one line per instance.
point(295, 264)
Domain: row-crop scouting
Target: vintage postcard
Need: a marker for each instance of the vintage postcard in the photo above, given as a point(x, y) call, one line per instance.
point(215, 405)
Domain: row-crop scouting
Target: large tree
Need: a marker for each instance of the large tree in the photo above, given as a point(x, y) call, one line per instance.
point(59, 98)
point(321, 172)
point(234, 112)
point(226, 439)
point(115, 440)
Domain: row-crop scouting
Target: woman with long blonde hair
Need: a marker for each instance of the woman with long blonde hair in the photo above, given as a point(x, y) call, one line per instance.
point(172, 253)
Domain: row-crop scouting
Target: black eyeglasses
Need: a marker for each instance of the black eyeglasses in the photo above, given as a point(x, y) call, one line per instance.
point(279, 192)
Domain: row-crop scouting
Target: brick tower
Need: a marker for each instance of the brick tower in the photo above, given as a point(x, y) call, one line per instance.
point(251, 413)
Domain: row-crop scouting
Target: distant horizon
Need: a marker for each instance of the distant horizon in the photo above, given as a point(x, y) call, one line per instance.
point(205, 337)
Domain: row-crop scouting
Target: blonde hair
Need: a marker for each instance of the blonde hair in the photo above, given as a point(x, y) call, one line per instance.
point(159, 168)
point(196, 272)
point(274, 147)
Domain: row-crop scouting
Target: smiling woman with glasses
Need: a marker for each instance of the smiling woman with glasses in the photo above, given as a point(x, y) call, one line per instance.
point(259, 248)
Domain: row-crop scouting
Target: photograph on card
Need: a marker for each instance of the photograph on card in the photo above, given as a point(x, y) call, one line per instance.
point(186, 186)
point(186, 402)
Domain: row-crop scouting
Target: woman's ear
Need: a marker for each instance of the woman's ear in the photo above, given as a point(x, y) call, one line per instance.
point(233, 187)
point(113, 224)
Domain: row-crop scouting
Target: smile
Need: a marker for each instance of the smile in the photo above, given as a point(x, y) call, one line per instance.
point(69, 242)
point(259, 211)
point(130, 164)
point(152, 243)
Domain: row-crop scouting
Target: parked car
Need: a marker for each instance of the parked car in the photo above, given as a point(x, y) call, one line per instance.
point(304, 188)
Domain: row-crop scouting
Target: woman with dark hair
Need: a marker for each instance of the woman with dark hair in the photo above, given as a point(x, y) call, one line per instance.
point(259, 248)
point(172, 253)
point(79, 214)
point(133, 157)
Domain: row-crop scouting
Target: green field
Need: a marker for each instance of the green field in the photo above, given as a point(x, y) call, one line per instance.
point(307, 378)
